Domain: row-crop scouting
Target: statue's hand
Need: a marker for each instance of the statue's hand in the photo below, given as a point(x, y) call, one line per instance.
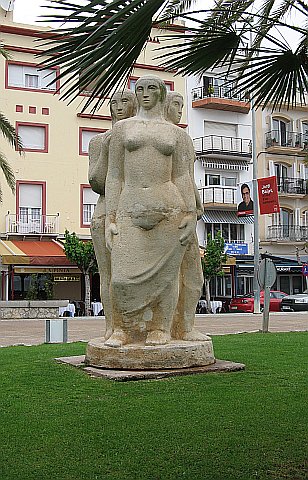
point(188, 224)
point(111, 230)
point(200, 212)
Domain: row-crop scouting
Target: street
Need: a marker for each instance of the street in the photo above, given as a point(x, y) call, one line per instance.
point(32, 332)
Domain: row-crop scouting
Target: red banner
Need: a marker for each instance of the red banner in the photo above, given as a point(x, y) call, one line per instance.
point(268, 195)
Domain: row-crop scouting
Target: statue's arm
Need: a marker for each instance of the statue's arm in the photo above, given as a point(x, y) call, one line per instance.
point(199, 205)
point(98, 162)
point(114, 181)
point(183, 157)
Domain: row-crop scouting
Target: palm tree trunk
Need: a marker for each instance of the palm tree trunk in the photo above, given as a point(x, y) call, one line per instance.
point(208, 296)
point(87, 295)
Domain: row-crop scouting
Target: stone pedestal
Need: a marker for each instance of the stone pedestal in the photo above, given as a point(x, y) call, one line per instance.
point(176, 354)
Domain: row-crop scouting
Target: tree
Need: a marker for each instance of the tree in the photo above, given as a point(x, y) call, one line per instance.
point(212, 263)
point(82, 254)
point(97, 44)
point(9, 133)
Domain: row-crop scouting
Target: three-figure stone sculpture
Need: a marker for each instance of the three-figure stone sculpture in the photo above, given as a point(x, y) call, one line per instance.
point(152, 203)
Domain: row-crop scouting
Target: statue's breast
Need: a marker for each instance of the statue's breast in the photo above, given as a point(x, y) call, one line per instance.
point(161, 141)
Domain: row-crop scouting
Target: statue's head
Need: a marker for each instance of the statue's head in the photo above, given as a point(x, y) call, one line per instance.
point(123, 104)
point(150, 90)
point(174, 107)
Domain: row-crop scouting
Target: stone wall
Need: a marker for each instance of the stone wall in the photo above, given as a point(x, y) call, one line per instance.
point(23, 309)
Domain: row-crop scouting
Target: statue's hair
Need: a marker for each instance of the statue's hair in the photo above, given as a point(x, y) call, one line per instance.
point(169, 98)
point(132, 98)
point(161, 85)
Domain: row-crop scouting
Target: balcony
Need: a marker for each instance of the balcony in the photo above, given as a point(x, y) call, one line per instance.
point(23, 225)
point(213, 195)
point(219, 98)
point(277, 140)
point(287, 233)
point(215, 146)
point(292, 186)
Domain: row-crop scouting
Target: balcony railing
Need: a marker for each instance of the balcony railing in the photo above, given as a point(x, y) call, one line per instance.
point(217, 92)
point(276, 138)
point(297, 186)
point(23, 225)
point(216, 144)
point(288, 233)
point(215, 194)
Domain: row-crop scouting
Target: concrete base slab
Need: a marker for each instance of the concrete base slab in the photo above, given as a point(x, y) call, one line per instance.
point(175, 354)
point(129, 375)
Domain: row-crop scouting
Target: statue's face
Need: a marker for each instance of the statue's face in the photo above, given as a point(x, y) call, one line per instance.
point(148, 93)
point(121, 106)
point(175, 110)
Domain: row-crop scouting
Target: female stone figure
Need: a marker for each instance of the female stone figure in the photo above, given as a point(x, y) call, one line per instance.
point(151, 217)
point(191, 276)
point(122, 105)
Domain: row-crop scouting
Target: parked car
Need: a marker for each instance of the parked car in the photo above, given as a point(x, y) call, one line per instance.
point(295, 303)
point(246, 302)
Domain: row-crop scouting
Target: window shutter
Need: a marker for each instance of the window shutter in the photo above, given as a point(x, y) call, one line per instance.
point(30, 195)
point(32, 136)
point(15, 76)
point(89, 197)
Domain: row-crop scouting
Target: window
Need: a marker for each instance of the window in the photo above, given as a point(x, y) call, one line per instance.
point(212, 180)
point(89, 199)
point(230, 232)
point(229, 181)
point(132, 84)
point(281, 128)
point(281, 172)
point(30, 206)
point(85, 135)
point(33, 136)
point(305, 133)
point(29, 77)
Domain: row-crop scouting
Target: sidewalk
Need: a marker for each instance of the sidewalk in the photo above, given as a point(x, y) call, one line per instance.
point(32, 332)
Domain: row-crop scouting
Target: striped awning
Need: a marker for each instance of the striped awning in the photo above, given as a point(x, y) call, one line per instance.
point(220, 216)
point(23, 252)
point(223, 164)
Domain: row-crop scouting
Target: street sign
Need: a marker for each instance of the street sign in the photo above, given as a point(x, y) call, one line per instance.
point(232, 248)
point(266, 277)
point(267, 273)
point(305, 269)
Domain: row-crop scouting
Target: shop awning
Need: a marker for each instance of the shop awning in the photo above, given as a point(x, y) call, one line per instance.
point(220, 216)
point(23, 252)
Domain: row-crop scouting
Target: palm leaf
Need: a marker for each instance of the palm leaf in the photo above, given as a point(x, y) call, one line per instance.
point(9, 133)
point(8, 173)
point(103, 39)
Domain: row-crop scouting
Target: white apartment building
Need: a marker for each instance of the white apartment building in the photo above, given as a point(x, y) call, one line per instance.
point(220, 126)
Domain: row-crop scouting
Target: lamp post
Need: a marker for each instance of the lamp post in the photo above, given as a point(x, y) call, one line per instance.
point(256, 287)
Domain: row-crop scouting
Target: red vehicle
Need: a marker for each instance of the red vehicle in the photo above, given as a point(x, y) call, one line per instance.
point(246, 302)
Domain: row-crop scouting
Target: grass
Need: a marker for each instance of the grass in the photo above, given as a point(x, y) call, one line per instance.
point(59, 424)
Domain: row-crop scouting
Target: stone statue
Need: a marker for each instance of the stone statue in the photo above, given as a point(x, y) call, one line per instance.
point(122, 105)
point(191, 276)
point(151, 219)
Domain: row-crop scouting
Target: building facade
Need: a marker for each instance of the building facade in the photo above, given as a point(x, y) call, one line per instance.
point(52, 189)
point(282, 143)
point(220, 125)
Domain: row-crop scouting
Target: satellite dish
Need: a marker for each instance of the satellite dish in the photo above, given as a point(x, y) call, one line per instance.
point(7, 5)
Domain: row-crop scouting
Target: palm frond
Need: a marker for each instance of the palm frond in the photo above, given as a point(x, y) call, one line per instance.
point(101, 41)
point(8, 173)
point(9, 133)
point(4, 53)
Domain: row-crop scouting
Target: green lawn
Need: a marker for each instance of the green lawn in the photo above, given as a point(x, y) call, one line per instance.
point(59, 424)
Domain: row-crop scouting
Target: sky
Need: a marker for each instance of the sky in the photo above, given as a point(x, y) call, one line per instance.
point(28, 11)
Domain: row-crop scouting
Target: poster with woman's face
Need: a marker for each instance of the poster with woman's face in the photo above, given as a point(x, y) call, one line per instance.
point(245, 202)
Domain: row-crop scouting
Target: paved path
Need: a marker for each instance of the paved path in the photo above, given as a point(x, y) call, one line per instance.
point(32, 332)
